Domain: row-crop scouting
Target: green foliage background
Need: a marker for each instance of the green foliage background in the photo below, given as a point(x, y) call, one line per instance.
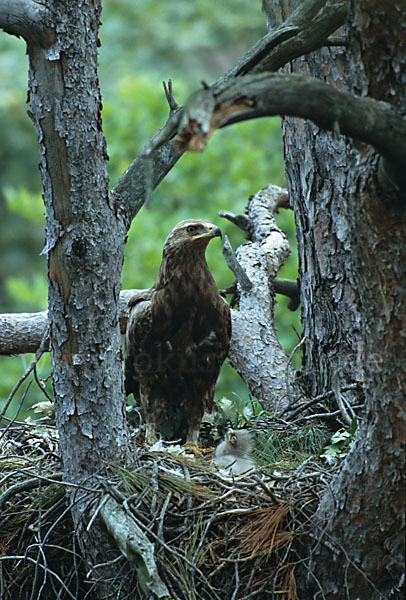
point(143, 43)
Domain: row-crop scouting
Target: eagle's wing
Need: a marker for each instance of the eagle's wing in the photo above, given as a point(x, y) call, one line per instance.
point(138, 328)
point(150, 364)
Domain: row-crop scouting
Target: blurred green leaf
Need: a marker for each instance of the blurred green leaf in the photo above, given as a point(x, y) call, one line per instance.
point(22, 201)
point(30, 291)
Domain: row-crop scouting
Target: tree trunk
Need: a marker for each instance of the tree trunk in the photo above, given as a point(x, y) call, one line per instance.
point(85, 244)
point(352, 262)
point(318, 167)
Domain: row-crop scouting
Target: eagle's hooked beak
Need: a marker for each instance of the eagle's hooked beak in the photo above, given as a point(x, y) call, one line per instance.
point(212, 231)
point(216, 232)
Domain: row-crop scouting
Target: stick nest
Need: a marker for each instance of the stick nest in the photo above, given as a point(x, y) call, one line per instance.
point(214, 536)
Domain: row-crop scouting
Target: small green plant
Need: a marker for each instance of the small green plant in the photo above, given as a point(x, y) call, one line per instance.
point(285, 447)
point(238, 411)
point(340, 443)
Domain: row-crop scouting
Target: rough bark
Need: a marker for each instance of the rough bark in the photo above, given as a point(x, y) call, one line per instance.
point(84, 244)
point(352, 264)
point(255, 351)
point(318, 166)
point(361, 519)
point(369, 515)
point(85, 241)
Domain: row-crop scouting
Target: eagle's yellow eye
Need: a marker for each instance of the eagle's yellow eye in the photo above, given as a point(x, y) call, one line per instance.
point(191, 229)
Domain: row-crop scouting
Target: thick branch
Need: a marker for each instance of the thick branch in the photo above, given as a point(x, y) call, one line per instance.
point(265, 95)
point(22, 332)
point(255, 351)
point(135, 546)
point(307, 29)
point(26, 19)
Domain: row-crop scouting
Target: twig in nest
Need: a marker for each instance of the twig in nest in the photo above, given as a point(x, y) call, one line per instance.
point(23, 486)
point(41, 566)
point(13, 419)
point(178, 554)
point(41, 385)
point(135, 546)
point(315, 400)
point(339, 400)
point(96, 512)
point(267, 491)
point(235, 266)
point(154, 485)
point(162, 515)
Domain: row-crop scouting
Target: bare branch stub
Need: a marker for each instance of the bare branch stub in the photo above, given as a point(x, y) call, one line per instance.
point(173, 105)
point(233, 264)
point(241, 221)
point(289, 288)
point(195, 123)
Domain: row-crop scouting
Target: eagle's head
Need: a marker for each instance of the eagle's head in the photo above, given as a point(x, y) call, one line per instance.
point(191, 234)
point(183, 254)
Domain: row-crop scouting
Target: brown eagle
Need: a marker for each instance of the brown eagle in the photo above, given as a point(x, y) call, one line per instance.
point(177, 338)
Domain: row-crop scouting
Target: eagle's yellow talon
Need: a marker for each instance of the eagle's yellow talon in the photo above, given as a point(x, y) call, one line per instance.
point(198, 452)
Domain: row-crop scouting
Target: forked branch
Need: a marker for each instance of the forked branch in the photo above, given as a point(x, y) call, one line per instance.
point(255, 351)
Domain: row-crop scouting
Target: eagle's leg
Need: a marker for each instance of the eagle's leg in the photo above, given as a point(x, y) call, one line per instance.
point(195, 415)
point(192, 436)
point(151, 411)
point(150, 433)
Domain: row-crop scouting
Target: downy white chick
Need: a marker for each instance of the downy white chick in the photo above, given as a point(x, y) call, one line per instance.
point(234, 451)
